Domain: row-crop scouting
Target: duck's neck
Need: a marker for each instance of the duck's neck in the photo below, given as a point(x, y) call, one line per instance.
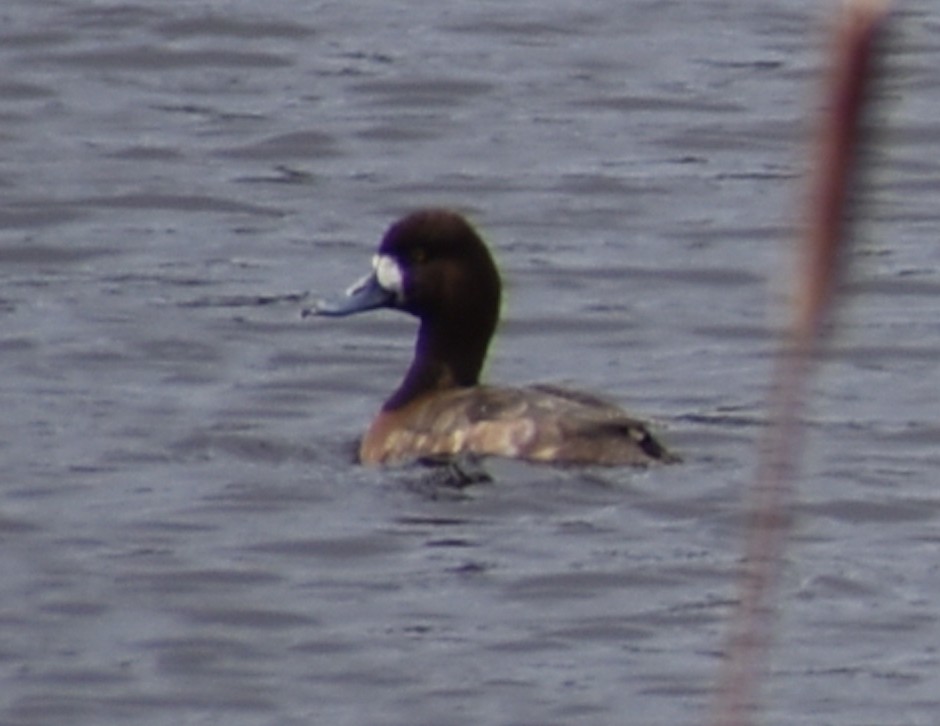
point(446, 356)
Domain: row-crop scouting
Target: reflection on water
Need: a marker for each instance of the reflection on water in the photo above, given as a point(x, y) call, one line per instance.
point(184, 535)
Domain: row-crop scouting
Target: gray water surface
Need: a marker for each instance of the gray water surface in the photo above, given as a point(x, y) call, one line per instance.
point(185, 539)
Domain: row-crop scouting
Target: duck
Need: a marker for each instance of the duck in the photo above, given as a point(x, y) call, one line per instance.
point(434, 265)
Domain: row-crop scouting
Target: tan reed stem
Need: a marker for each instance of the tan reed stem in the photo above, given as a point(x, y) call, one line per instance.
point(830, 184)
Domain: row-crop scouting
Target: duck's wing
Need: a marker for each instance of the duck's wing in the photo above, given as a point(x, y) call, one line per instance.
point(554, 424)
point(593, 429)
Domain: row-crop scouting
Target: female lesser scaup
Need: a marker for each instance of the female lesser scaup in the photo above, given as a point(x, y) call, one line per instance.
point(434, 265)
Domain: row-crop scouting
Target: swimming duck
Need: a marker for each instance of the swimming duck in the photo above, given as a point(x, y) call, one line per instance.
point(434, 265)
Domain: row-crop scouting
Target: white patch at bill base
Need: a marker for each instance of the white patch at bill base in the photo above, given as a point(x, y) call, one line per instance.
point(388, 273)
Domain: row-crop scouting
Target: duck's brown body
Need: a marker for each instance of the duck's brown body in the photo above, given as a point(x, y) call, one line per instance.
point(537, 423)
point(434, 265)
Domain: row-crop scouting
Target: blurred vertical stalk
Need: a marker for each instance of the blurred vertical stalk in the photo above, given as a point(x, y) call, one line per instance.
point(834, 168)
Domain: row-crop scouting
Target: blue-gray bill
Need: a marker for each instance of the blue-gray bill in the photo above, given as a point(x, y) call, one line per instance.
point(366, 294)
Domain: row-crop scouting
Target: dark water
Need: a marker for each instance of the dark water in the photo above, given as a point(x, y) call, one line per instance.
point(184, 538)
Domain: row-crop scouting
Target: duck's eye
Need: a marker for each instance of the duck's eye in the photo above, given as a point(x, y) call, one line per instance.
point(418, 255)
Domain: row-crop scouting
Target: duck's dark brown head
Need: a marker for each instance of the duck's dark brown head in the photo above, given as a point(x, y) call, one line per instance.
point(434, 265)
point(445, 269)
